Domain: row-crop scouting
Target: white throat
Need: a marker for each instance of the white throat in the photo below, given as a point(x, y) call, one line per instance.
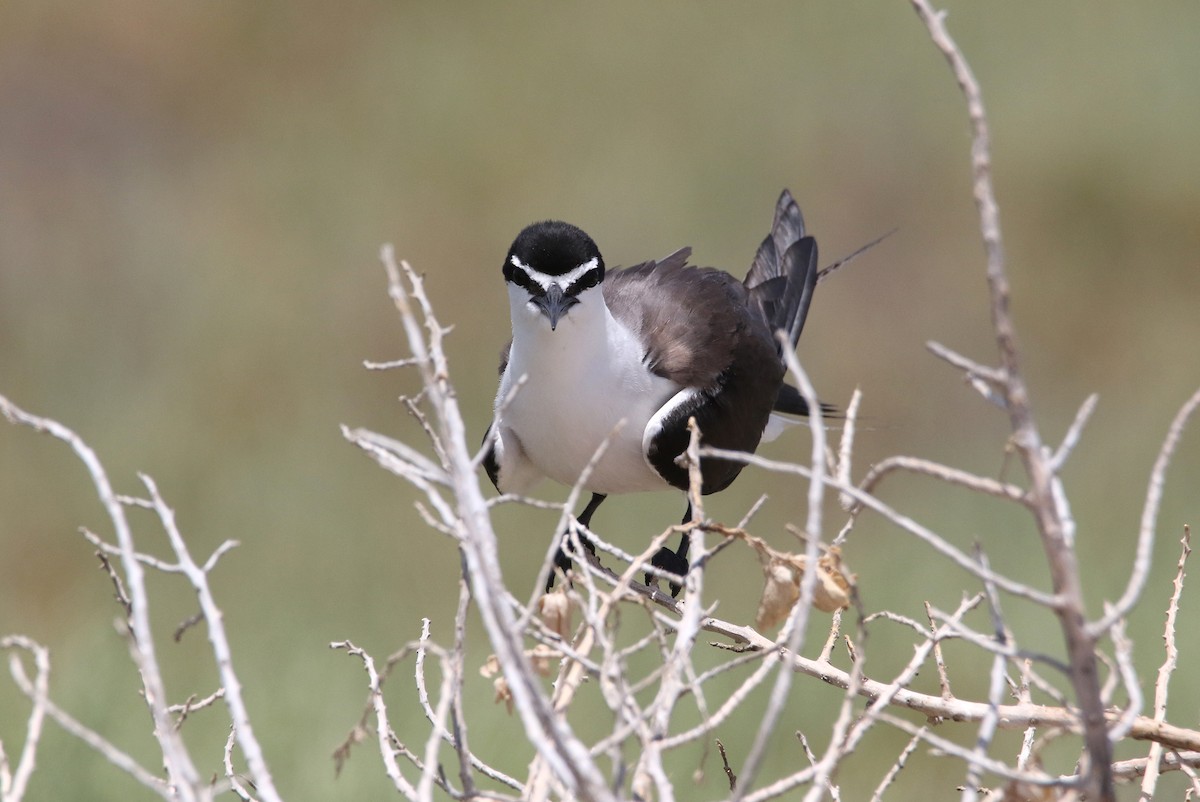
point(582, 379)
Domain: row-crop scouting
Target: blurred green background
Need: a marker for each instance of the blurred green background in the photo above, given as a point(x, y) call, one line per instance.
point(192, 198)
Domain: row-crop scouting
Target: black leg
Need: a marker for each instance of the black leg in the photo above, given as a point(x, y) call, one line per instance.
point(685, 540)
point(561, 560)
point(675, 562)
point(585, 517)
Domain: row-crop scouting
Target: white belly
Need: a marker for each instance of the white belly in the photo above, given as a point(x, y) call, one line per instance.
point(574, 398)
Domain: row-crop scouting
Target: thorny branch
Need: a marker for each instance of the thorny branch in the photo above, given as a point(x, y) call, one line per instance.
point(599, 594)
point(183, 781)
point(689, 692)
point(1044, 498)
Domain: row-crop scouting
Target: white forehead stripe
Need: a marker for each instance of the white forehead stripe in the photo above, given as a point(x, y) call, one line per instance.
point(544, 280)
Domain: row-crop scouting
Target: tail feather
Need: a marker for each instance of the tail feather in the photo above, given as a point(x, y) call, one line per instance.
point(784, 272)
point(787, 228)
point(791, 402)
point(781, 283)
point(800, 266)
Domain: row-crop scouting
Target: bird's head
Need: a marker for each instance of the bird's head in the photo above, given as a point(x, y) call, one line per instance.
point(553, 266)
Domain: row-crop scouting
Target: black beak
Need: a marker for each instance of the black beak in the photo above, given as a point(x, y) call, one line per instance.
point(554, 304)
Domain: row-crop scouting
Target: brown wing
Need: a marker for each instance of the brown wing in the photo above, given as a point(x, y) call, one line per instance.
point(702, 334)
point(693, 319)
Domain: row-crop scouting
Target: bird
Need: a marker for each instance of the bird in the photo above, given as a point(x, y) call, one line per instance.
point(627, 356)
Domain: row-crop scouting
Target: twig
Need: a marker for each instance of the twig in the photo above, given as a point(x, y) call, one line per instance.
point(835, 625)
point(728, 771)
point(934, 707)
point(382, 728)
point(1030, 734)
point(987, 727)
point(456, 665)
point(1045, 499)
point(13, 783)
point(1145, 544)
point(973, 369)
point(899, 519)
point(898, 766)
point(845, 455)
point(677, 664)
point(97, 742)
point(235, 783)
point(118, 588)
point(185, 625)
point(1073, 433)
point(943, 677)
point(943, 473)
point(969, 756)
point(556, 745)
point(148, 560)
point(1150, 779)
point(797, 621)
point(213, 617)
point(840, 746)
point(193, 704)
point(182, 771)
point(1140, 766)
point(431, 772)
point(1123, 655)
point(390, 364)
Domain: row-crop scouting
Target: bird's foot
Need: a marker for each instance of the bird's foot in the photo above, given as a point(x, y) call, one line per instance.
point(672, 563)
point(563, 564)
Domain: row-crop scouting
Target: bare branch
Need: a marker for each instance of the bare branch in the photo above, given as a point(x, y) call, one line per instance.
point(382, 728)
point(458, 656)
point(193, 704)
point(214, 620)
point(14, 782)
point(231, 776)
point(148, 560)
point(1140, 766)
point(943, 473)
point(1074, 432)
point(556, 745)
point(183, 773)
point(845, 453)
point(1123, 654)
point(987, 727)
point(970, 757)
point(902, 521)
point(725, 761)
point(898, 766)
point(1145, 544)
point(797, 623)
point(432, 768)
point(1167, 668)
point(1047, 502)
point(105, 748)
point(390, 364)
point(991, 379)
point(938, 659)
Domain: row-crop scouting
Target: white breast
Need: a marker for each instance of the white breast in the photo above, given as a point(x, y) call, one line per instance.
point(581, 381)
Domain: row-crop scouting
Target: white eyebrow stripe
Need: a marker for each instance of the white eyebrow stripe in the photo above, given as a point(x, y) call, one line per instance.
point(544, 280)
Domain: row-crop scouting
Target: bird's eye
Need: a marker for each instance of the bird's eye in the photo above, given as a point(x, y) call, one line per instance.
point(523, 280)
point(589, 279)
